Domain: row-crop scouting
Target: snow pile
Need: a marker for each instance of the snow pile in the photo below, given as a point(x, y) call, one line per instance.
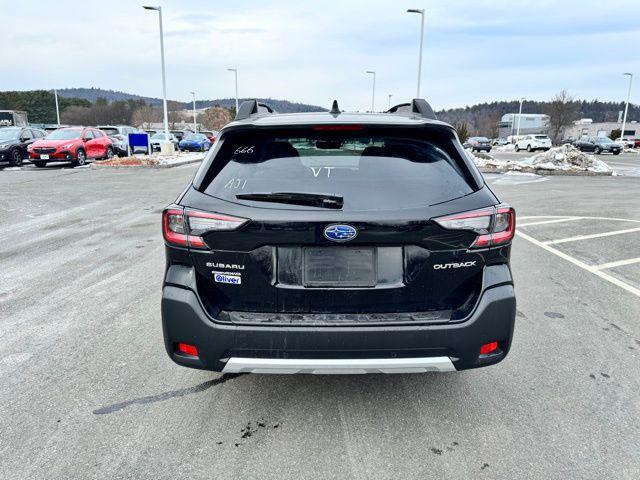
point(178, 158)
point(509, 147)
point(484, 160)
point(567, 157)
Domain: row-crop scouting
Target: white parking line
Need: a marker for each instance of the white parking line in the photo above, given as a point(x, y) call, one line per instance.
point(594, 235)
point(557, 220)
point(619, 263)
point(584, 266)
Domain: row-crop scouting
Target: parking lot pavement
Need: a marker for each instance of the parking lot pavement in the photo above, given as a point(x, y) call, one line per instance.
point(88, 391)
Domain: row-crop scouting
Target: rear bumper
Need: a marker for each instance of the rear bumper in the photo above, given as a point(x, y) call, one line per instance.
point(353, 349)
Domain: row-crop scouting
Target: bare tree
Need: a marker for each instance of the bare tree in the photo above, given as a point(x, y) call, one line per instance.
point(146, 115)
point(215, 118)
point(562, 111)
point(463, 131)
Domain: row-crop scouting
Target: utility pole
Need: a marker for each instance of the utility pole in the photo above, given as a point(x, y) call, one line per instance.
point(626, 108)
point(164, 81)
point(421, 12)
point(195, 125)
point(373, 91)
point(519, 116)
point(55, 94)
point(235, 71)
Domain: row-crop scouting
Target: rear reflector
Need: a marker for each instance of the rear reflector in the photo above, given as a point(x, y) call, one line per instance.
point(488, 348)
point(187, 349)
point(185, 228)
point(493, 226)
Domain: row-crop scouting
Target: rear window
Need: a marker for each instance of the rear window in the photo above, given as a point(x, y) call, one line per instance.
point(541, 137)
point(370, 171)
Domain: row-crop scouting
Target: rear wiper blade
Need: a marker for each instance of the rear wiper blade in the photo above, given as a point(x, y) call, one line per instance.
point(293, 198)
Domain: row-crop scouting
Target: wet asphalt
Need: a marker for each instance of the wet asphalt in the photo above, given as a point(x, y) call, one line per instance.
point(87, 390)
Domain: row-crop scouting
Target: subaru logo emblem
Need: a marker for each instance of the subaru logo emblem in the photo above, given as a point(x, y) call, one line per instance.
point(340, 233)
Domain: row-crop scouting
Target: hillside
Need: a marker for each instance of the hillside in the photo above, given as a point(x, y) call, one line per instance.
point(482, 118)
point(92, 94)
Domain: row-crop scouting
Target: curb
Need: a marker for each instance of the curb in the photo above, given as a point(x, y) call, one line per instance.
point(99, 166)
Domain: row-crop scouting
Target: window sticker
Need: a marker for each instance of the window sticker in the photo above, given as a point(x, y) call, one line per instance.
point(244, 149)
point(236, 183)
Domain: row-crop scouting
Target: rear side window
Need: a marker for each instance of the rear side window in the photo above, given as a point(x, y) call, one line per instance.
point(369, 170)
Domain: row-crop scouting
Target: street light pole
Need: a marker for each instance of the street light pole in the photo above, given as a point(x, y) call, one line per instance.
point(519, 116)
point(55, 94)
point(390, 95)
point(373, 92)
point(164, 81)
point(626, 108)
point(235, 71)
point(195, 125)
point(421, 12)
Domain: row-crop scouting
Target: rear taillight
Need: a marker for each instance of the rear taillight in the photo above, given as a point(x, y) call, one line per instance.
point(494, 225)
point(185, 227)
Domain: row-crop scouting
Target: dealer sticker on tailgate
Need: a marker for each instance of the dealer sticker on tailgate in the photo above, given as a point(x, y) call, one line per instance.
point(220, 277)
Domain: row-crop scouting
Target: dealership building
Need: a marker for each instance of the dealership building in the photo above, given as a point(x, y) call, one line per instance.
point(530, 123)
point(586, 127)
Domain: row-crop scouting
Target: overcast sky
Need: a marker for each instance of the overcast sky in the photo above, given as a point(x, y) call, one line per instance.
point(314, 51)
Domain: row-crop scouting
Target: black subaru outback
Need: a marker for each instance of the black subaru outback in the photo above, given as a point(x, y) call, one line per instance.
point(338, 242)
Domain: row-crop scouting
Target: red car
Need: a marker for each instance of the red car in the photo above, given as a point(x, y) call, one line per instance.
point(211, 135)
point(73, 144)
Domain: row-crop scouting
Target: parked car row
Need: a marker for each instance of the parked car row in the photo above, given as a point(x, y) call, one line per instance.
point(78, 144)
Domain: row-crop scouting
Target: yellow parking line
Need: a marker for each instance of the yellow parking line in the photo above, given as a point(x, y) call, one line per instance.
point(584, 266)
point(593, 235)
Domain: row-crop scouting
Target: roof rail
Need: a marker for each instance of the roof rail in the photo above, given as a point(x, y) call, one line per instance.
point(417, 105)
point(253, 107)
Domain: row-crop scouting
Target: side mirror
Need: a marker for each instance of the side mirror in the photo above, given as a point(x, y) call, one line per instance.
point(85, 139)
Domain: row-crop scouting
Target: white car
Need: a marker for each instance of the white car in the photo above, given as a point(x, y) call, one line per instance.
point(533, 142)
point(626, 142)
point(159, 137)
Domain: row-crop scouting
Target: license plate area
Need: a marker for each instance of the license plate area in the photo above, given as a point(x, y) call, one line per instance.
point(339, 267)
point(44, 157)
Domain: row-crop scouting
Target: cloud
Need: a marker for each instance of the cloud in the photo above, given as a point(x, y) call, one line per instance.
point(316, 51)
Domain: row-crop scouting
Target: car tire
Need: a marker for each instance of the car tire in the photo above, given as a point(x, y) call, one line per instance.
point(16, 158)
point(108, 153)
point(39, 163)
point(617, 152)
point(81, 158)
point(529, 149)
point(597, 150)
point(517, 148)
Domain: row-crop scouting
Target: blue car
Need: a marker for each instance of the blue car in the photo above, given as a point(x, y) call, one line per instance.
point(195, 142)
